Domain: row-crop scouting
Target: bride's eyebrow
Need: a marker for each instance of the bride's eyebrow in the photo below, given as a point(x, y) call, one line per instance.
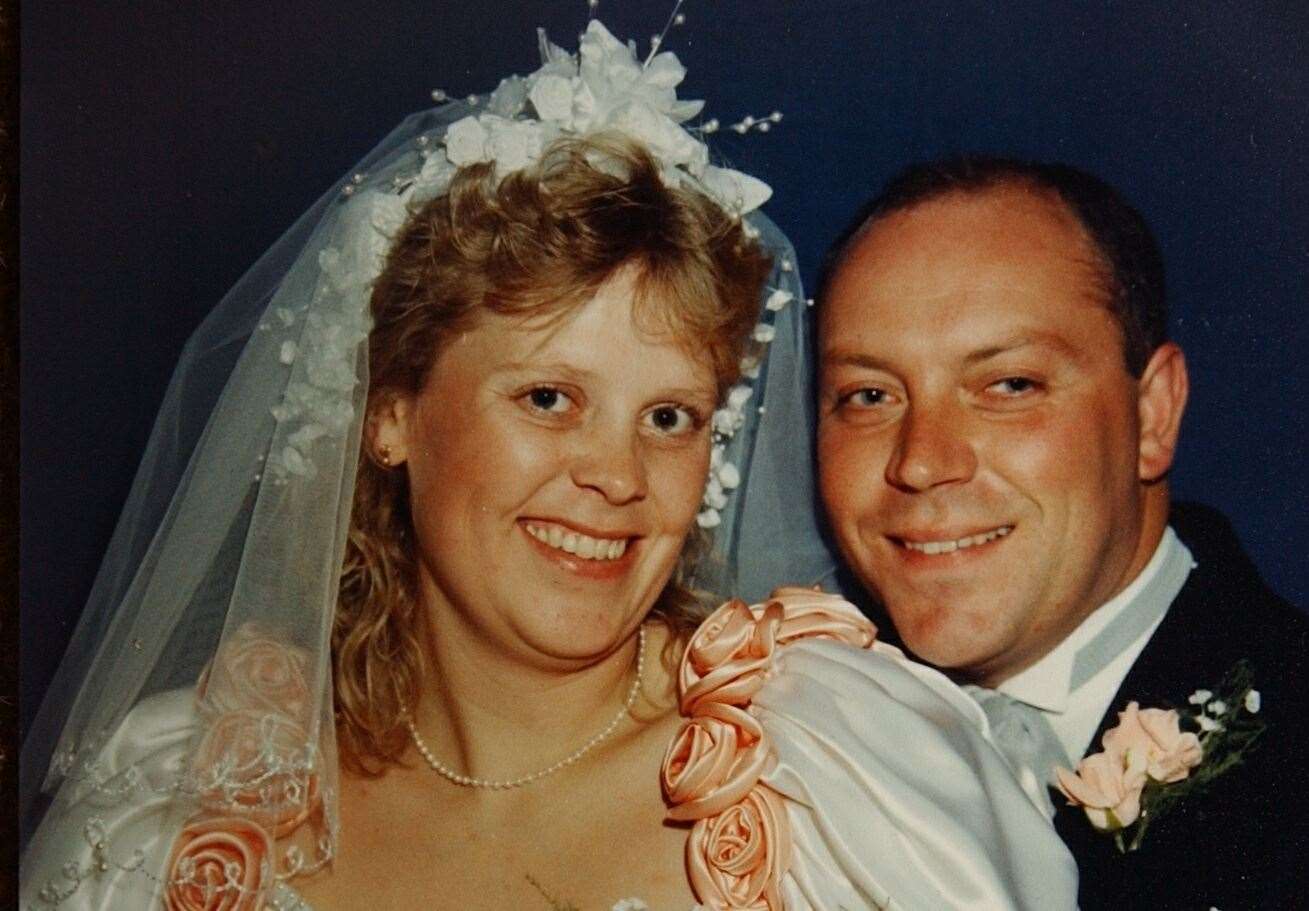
point(555, 368)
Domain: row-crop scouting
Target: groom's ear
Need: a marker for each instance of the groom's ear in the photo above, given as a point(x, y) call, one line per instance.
point(1161, 398)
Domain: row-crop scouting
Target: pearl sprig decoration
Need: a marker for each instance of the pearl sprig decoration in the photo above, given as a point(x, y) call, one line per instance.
point(468, 781)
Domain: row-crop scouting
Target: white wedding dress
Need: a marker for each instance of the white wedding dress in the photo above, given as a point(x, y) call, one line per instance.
point(895, 797)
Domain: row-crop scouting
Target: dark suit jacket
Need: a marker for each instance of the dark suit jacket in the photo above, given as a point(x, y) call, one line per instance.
point(1244, 843)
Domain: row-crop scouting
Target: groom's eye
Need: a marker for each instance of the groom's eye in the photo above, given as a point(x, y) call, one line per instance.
point(1014, 385)
point(864, 398)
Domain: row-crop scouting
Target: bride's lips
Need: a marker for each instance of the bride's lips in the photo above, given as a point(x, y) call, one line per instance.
point(582, 550)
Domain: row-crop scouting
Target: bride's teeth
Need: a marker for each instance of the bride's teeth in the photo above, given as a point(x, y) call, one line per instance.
point(946, 547)
point(580, 545)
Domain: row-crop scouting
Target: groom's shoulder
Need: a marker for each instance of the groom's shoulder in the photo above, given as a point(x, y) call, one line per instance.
point(1228, 612)
point(1225, 577)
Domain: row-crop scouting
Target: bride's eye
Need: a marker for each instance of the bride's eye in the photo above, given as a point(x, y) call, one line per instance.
point(548, 399)
point(672, 420)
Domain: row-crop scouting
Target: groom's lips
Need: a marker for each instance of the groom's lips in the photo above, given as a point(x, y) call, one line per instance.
point(929, 547)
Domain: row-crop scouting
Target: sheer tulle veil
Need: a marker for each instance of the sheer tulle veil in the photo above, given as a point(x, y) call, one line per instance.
point(223, 568)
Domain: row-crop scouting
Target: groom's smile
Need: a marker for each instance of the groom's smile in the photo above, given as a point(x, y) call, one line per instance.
point(978, 427)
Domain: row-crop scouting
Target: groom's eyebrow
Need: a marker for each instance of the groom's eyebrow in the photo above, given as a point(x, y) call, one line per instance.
point(1017, 343)
point(846, 357)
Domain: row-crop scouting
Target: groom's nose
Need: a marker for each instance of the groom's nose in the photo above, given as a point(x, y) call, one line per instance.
point(931, 449)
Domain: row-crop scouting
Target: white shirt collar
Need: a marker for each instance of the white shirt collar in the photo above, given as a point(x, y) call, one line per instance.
point(1046, 684)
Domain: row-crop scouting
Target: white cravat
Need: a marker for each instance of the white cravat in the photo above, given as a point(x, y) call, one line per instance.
point(1074, 683)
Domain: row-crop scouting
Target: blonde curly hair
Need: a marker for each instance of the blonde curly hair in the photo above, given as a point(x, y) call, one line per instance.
point(540, 241)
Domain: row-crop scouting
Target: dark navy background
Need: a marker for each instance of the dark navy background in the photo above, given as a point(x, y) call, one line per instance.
point(166, 144)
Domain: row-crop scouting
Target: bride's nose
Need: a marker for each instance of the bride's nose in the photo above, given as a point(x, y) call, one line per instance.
point(610, 460)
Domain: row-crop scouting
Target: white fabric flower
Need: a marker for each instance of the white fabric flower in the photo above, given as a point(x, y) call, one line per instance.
point(738, 395)
point(1200, 697)
point(669, 142)
point(512, 144)
point(714, 497)
point(779, 299)
point(552, 97)
point(434, 179)
point(734, 190)
point(509, 97)
point(709, 519)
point(764, 333)
point(729, 476)
point(727, 422)
point(465, 142)
point(1253, 702)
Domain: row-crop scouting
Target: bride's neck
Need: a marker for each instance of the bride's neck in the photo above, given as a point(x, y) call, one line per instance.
point(496, 710)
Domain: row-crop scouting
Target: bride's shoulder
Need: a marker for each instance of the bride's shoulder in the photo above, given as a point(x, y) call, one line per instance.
point(105, 822)
point(150, 742)
point(877, 768)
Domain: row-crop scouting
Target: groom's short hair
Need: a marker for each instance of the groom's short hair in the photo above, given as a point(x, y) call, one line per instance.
point(1132, 269)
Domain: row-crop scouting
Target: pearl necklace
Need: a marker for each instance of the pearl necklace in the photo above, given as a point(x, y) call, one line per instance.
point(469, 782)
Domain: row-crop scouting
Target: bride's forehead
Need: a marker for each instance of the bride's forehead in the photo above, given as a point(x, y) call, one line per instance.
point(613, 322)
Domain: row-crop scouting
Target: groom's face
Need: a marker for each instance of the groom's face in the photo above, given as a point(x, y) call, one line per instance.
point(978, 431)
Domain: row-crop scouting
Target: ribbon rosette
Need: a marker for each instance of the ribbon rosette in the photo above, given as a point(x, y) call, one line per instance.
point(740, 845)
point(221, 864)
point(254, 771)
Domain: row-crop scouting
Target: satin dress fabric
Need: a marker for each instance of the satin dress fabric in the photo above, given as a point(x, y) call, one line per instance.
point(896, 797)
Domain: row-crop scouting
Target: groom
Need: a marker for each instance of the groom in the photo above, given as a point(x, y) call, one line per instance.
point(999, 408)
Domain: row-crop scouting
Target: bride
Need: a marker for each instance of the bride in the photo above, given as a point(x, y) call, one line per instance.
point(413, 623)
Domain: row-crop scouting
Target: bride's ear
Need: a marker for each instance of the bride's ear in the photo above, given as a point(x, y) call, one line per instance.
point(386, 437)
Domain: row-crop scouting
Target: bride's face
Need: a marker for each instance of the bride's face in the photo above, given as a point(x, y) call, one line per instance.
point(555, 469)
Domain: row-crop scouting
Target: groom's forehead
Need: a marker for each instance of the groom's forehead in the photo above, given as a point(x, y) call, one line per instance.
point(965, 263)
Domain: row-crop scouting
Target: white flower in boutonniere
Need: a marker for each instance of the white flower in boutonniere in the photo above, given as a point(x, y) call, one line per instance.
point(1150, 763)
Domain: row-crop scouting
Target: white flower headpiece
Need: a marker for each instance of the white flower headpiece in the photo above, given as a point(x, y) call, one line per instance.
point(603, 88)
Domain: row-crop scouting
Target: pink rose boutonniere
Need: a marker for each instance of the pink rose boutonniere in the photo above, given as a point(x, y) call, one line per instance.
point(1150, 763)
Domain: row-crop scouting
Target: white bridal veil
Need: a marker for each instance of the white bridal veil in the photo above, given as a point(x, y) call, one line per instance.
point(217, 592)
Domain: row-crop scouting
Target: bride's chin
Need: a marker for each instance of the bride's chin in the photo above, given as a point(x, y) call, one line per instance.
point(580, 641)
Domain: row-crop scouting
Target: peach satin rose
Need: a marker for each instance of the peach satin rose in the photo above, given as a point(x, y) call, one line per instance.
point(713, 762)
point(256, 671)
point(260, 766)
point(1108, 787)
point(740, 845)
point(729, 655)
point(736, 859)
point(221, 864)
point(1170, 754)
point(1147, 744)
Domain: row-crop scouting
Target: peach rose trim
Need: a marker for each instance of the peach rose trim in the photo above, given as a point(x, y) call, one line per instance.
point(740, 846)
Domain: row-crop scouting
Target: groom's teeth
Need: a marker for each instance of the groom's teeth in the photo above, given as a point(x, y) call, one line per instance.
point(946, 547)
point(578, 544)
